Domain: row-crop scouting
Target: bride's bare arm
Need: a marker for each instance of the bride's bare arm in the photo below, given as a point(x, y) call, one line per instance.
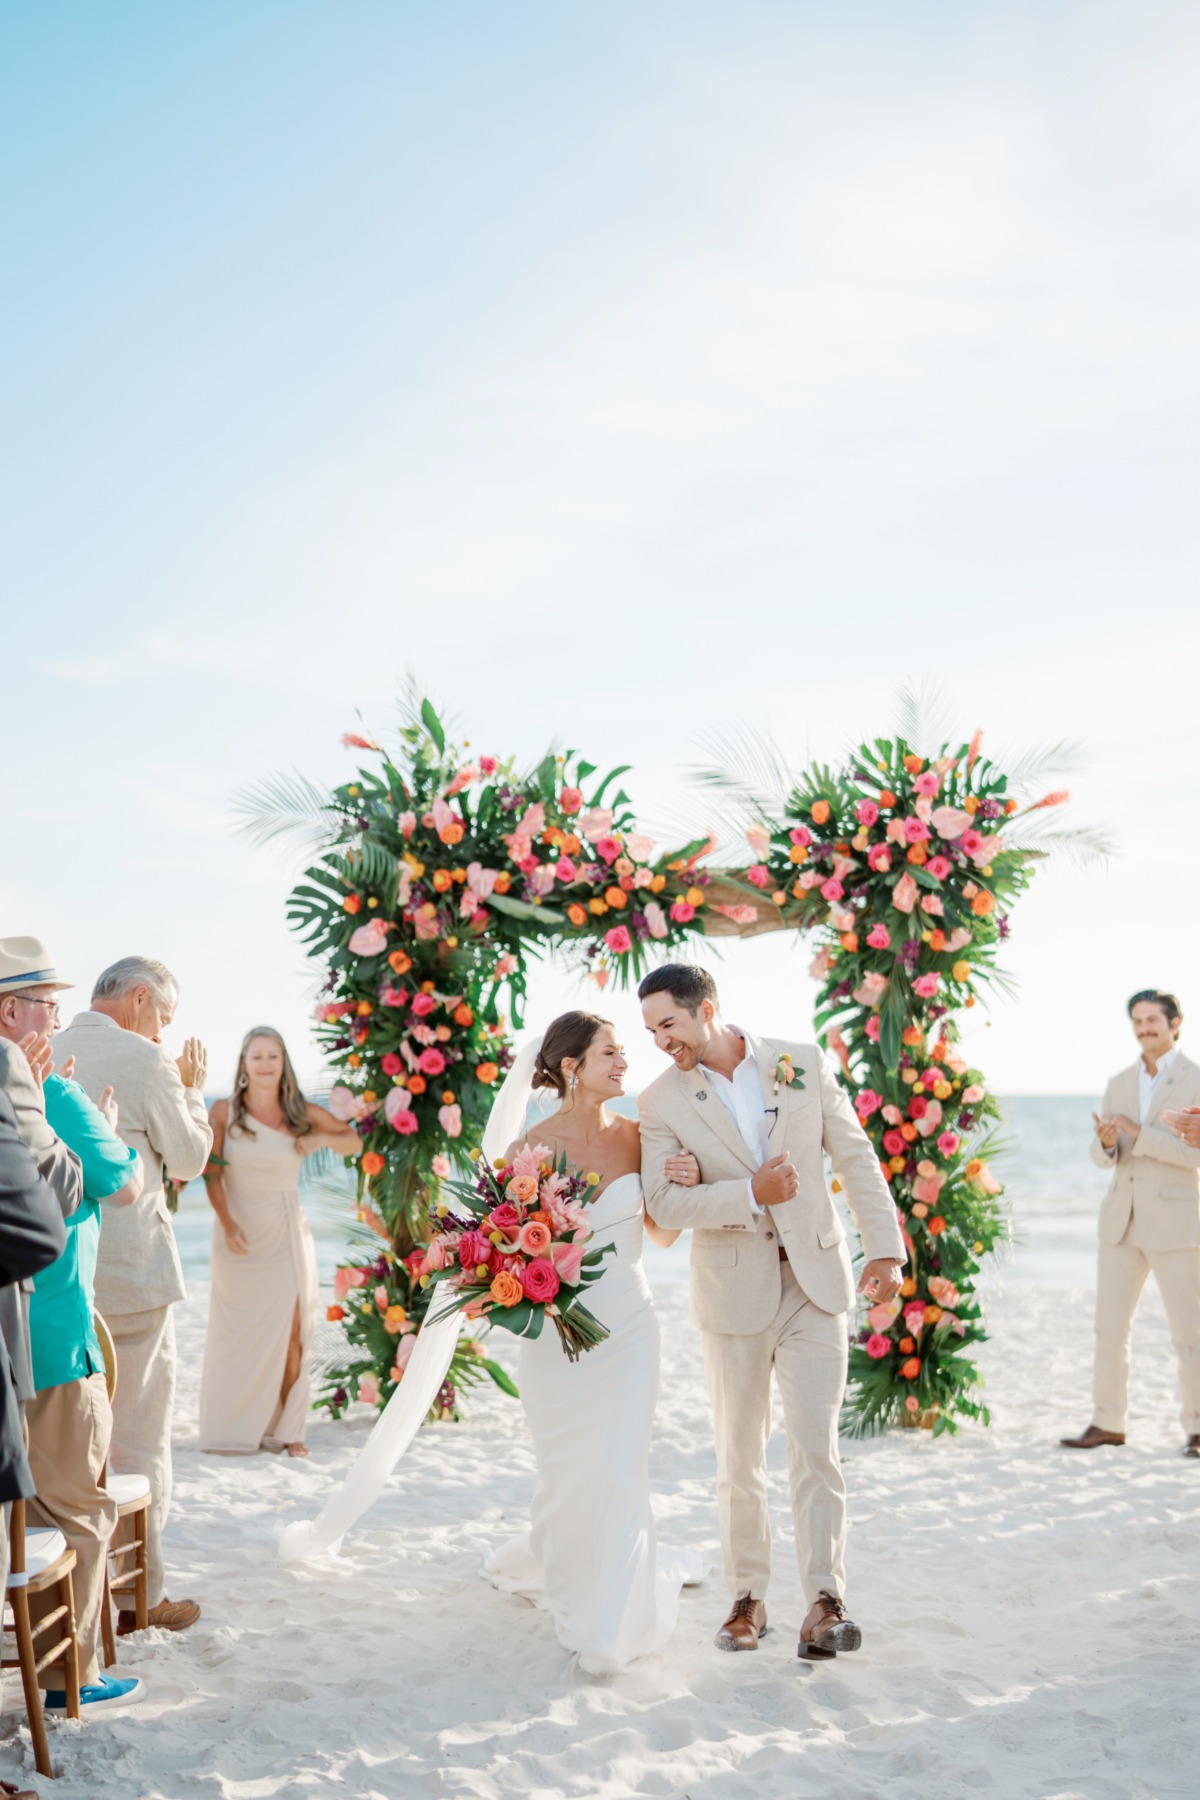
point(682, 1170)
point(658, 1234)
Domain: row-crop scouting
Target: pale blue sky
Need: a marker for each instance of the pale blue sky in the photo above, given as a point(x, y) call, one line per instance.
point(619, 370)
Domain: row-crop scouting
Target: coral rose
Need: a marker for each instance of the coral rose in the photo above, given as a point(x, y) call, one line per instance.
point(334, 1313)
point(535, 1238)
point(506, 1289)
point(878, 1346)
point(473, 1249)
point(911, 1369)
point(982, 904)
point(879, 937)
point(373, 1163)
point(540, 1280)
point(820, 812)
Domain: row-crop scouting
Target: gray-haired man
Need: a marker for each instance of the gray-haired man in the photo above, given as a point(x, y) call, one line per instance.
point(138, 1277)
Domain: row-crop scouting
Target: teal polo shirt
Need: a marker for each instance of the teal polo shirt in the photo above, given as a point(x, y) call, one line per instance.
point(62, 1334)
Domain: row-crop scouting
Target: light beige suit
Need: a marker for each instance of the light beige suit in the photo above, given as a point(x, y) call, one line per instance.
point(758, 1311)
point(138, 1273)
point(1149, 1221)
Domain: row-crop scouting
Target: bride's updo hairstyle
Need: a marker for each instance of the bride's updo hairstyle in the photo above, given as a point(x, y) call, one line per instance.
point(571, 1034)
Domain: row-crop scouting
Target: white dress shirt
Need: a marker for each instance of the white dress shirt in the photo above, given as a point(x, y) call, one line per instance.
point(742, 1099)
point(1148, 1085)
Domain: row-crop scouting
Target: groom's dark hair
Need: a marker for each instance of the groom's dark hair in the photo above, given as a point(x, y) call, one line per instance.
point(685, 982)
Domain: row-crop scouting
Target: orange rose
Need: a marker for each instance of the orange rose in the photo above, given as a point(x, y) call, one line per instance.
point(695, 896)
point(442, 879)
point(400, 962)
point(616, 898)
point(937, 943)
point(886, 797)
point(910, 1036)
point(850, 941)
point(393, 1319)
point(658, 884)
point(911, 1369)
point(1010, 806)
point(542, 1217)
point(906, 1346)
point(971, 804)
point(352, 903)
point(448, 1097)
point(373, 1163)
point(820, 811)
point(908, 1133)
point(571, 844)
point(503, 882)
point(908, 1287)
point(463, 1015)
point(973, 1168)
point(522, 1189)
point(506, 1289)
point(599, 906)
point(417, 1084)
point(485, 1072)
point(936, 1226)
point(983, 903)
point(364, 1009)
point(353, 1060)
point(797, 854)
point(961, 971)
point(334, 1313)
point(451, 833)
point(932, 1314)
point(914, 764)
point(917, 854)
point(576, 913)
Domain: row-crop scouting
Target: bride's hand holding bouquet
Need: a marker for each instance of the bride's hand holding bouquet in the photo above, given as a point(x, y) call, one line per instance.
point(514, 1253)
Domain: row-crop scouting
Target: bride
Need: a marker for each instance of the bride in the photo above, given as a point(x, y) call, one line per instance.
point(590, 1556)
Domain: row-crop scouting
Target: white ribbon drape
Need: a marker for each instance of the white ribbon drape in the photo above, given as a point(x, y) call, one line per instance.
point(402, 1417)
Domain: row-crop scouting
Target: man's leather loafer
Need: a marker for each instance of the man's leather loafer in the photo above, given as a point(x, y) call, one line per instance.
point(168, 1615)
point(744, 1626)
point(1092, 1438)
point(1192, 1447)
point(827, 1630)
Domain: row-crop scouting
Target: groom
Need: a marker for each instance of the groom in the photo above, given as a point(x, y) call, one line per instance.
point(771, 1277)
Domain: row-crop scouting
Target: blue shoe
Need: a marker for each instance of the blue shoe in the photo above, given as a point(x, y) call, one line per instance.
point(108, 1691)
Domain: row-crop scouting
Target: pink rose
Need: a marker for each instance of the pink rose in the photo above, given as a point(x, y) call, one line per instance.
point(872, 1028)
point(450, 1120)
point(473, 1249)
point(571, 800)
point(341, 1283)
point(423, 1005)
point(972, 842)
point(879, 937)
point(398, 1100)
point(392, 996)
point(948, 1143)
point(927, 986)
point(368, 1389)
point(893, 1143)
point(893, 1115)
point(565, 870)
point(918, 1106)
point(915, 831)
point(866, 812)
point(877, 1346)
point(441, 1166)
point(810, 879)
point(391, 1064)
point(932, 904)
point(831, 890)
point(904, 894)
point(488, 765)
point(618, 940)
point(939, 867)
point(608, 849)
point(431, 1062)
point(405, 1123)
point(408, 823)
point(505, 1217)
point(800, 834)
point(381, 1298)
point(926, 1189)
point(972, 1095)
point(404, 1350)
point(568, 1260)
point(759, 876)
point(866, 1102)
point(682, 913)
point(943, 1291)
point(540, 1280)
point(927, 783)
point(879, 859)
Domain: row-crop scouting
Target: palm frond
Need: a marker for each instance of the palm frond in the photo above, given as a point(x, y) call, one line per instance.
point(1040, 762)
point(923, 716)
point(746, 764)
point(1079, 846)
point(288, 806)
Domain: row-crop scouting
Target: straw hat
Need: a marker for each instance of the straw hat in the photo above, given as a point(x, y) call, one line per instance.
point(25, 963)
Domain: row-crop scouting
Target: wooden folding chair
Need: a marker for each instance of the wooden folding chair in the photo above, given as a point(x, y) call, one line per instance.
point(132, 1495)
point(39, 1559)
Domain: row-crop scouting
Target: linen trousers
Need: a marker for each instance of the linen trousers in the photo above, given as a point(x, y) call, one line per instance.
point(70, 1427)
point(807, 1350)
point(142, 1408)
point(1120, 1277)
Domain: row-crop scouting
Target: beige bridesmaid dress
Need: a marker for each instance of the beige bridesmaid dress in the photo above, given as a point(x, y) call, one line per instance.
point(254, 1300)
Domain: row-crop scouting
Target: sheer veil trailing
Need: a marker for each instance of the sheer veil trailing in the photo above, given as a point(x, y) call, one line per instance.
point(404, 1413)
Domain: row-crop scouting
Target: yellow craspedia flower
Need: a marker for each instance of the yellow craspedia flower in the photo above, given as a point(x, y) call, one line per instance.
point(476, 1154)
point(593, 1179)
point(425, 1280)
point(442, 1209)
point(481, 1270)
point(977, 1248)
point(497, 1237)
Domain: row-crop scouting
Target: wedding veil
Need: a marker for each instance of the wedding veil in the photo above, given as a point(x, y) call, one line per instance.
point(402, 1417)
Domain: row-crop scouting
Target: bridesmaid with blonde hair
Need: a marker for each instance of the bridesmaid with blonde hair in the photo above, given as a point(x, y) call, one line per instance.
point(254, 1387)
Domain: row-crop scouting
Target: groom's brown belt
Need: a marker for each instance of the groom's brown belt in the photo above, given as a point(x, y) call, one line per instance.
point(782, 1254)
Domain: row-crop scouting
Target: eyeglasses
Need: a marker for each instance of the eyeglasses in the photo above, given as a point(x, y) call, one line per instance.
point(39, 1000)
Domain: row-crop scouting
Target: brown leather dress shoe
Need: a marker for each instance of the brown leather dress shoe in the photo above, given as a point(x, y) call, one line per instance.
point(744, 1626)
point(1192, 1447)
point(168, 1615)
point(827, 1630)
point(12, 1793)
point(1092, 1438)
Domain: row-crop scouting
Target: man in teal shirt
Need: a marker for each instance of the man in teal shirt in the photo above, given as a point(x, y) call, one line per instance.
point(69, 1417)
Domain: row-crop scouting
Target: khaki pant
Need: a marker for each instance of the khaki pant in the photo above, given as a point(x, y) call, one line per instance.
point(806, 1349)
point(1120, 1278)
point(142, 1408)
point(69, 1431)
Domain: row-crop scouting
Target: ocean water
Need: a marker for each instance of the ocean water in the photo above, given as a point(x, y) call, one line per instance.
point(1053, 1192)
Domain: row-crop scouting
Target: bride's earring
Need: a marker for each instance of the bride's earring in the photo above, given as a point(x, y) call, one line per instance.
point(245, 1080)
point(574, 1081)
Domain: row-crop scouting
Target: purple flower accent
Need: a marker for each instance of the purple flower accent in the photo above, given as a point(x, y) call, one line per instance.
point(1002, 923)
point(339, 1396)
point(966, 1121)
point(989, 809)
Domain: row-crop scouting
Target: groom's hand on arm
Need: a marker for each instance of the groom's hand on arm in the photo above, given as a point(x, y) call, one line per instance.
point(775, 1182)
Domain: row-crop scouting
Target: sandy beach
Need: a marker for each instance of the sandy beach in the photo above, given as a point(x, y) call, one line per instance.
point(1031, 1617)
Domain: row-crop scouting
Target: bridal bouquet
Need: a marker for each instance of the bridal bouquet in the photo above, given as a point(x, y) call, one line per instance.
point(515, 1253)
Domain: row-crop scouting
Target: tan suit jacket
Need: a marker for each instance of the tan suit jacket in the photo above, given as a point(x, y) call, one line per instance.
point(736, 1282)
point(167, 1124)
point(1155, 1175)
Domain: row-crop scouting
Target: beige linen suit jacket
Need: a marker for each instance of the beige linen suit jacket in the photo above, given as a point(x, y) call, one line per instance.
point(167, 1124)
point(1155, 1175)
point(736, 1284)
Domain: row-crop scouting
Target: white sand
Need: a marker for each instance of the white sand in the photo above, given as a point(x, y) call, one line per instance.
point(1031, 1618)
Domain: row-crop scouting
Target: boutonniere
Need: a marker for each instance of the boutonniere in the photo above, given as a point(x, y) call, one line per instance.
point(785, 1071)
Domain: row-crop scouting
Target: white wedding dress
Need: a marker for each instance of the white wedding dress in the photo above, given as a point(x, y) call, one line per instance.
point(591, 1556)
